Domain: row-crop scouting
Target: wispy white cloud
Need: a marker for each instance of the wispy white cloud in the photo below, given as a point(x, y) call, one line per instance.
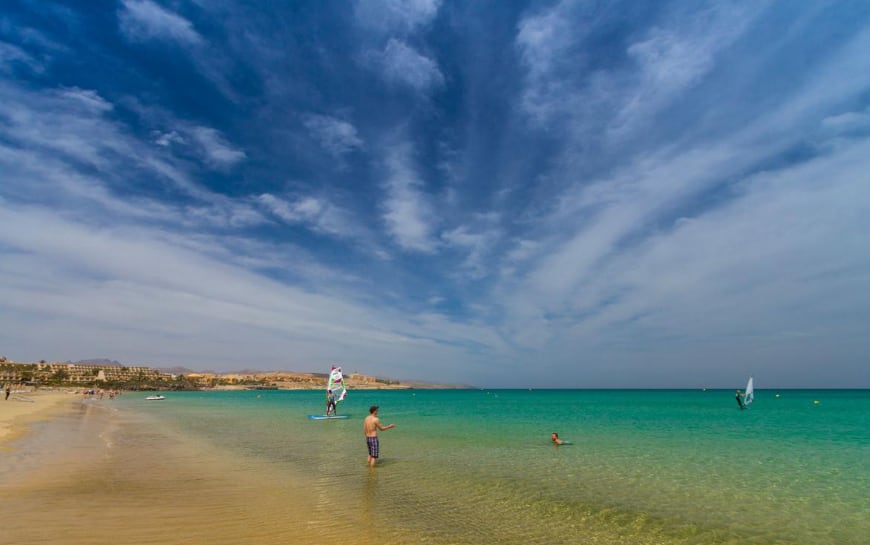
point(142, 20)
point(208, 145)
point(752, 264)
point(193, 299)
point(167, 139)
point(543, 40)
point(224, 213)
point(317, 214)
point(88, 98)
point(22, 46)
point(53, 133)
point(477, 241)
point(215, 148)
point(12, 56)
point(401, 64)
point(302, 210)
point(336, 136)
point(31, 176)
point(849, 121)
point(399, 16)
point(626, 270)
point(68, 121)
point(670, 60)
point(408, 214)
point(667, 60)
point(602, 219)
point(775, 270)
point(827, 93)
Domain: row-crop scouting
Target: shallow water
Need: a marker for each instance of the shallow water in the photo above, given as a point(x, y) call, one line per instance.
point(461, 467)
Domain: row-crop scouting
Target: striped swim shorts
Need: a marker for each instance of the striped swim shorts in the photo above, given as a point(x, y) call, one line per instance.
point(373, 445)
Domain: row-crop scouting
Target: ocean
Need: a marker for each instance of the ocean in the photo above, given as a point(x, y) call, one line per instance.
point(461, 467)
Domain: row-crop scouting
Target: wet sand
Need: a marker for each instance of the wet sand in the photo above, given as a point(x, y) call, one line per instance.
point(95, 474)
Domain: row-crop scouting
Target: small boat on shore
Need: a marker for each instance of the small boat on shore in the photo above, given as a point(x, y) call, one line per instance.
point(155, 398)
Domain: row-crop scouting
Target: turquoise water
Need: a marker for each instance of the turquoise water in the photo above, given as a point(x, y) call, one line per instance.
point(464, 466)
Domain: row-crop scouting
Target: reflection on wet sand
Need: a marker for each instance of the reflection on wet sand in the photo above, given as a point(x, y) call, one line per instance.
point(94, 475)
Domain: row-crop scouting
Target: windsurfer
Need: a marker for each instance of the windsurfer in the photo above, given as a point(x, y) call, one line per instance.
point(330, 403)
point(739, 397)
point(335, 391)
point(371, 425)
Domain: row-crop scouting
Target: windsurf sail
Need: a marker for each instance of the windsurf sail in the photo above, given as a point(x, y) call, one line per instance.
point(749, 395)
point(336, 385)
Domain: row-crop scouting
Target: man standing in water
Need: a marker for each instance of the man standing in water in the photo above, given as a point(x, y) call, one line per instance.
point(739, 397)
point(371, 425)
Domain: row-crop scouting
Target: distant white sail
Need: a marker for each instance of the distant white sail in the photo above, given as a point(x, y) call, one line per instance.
point(336, 385)
point(749, 396)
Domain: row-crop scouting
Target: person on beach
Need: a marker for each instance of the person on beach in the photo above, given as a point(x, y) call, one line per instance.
point(555, 437)
point(8, 391)
point(739, 397)
point(330, 403)
point(371, 425)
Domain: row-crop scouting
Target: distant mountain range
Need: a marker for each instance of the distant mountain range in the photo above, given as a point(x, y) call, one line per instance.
point(96, 361)
point(184, 371)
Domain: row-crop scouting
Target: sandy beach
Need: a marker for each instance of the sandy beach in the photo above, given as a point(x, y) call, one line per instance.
point(24, 408)
point(86, 461)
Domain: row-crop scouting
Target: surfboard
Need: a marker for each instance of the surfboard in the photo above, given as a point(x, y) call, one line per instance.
point(324, 417)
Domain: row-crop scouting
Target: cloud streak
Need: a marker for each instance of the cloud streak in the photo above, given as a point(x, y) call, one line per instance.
point(142, 20)
point(402, 65)
point(408, 214)
point(336, 136)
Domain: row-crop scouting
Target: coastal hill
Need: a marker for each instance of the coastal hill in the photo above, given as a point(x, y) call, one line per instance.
point(290, 380)
point(102, 372)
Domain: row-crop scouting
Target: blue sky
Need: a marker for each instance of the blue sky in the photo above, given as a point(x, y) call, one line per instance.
point(523, 194)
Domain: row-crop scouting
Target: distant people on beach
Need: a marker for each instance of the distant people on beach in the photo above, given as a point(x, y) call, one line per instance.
point(739, 397)
point(555, 437)
point(371, 425)
point(8, 391)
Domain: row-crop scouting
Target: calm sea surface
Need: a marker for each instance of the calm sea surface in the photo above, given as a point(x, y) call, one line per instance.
point(472, 466)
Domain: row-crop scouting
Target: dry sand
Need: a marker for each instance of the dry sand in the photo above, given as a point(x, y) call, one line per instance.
point(22, 409)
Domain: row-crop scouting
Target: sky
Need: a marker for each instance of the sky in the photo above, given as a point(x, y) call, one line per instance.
point(569, 194)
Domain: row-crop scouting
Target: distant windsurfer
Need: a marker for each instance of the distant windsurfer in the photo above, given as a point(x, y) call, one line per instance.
point(371, 425)
point(739, 397)
point(330, 403)
point(335, 391)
